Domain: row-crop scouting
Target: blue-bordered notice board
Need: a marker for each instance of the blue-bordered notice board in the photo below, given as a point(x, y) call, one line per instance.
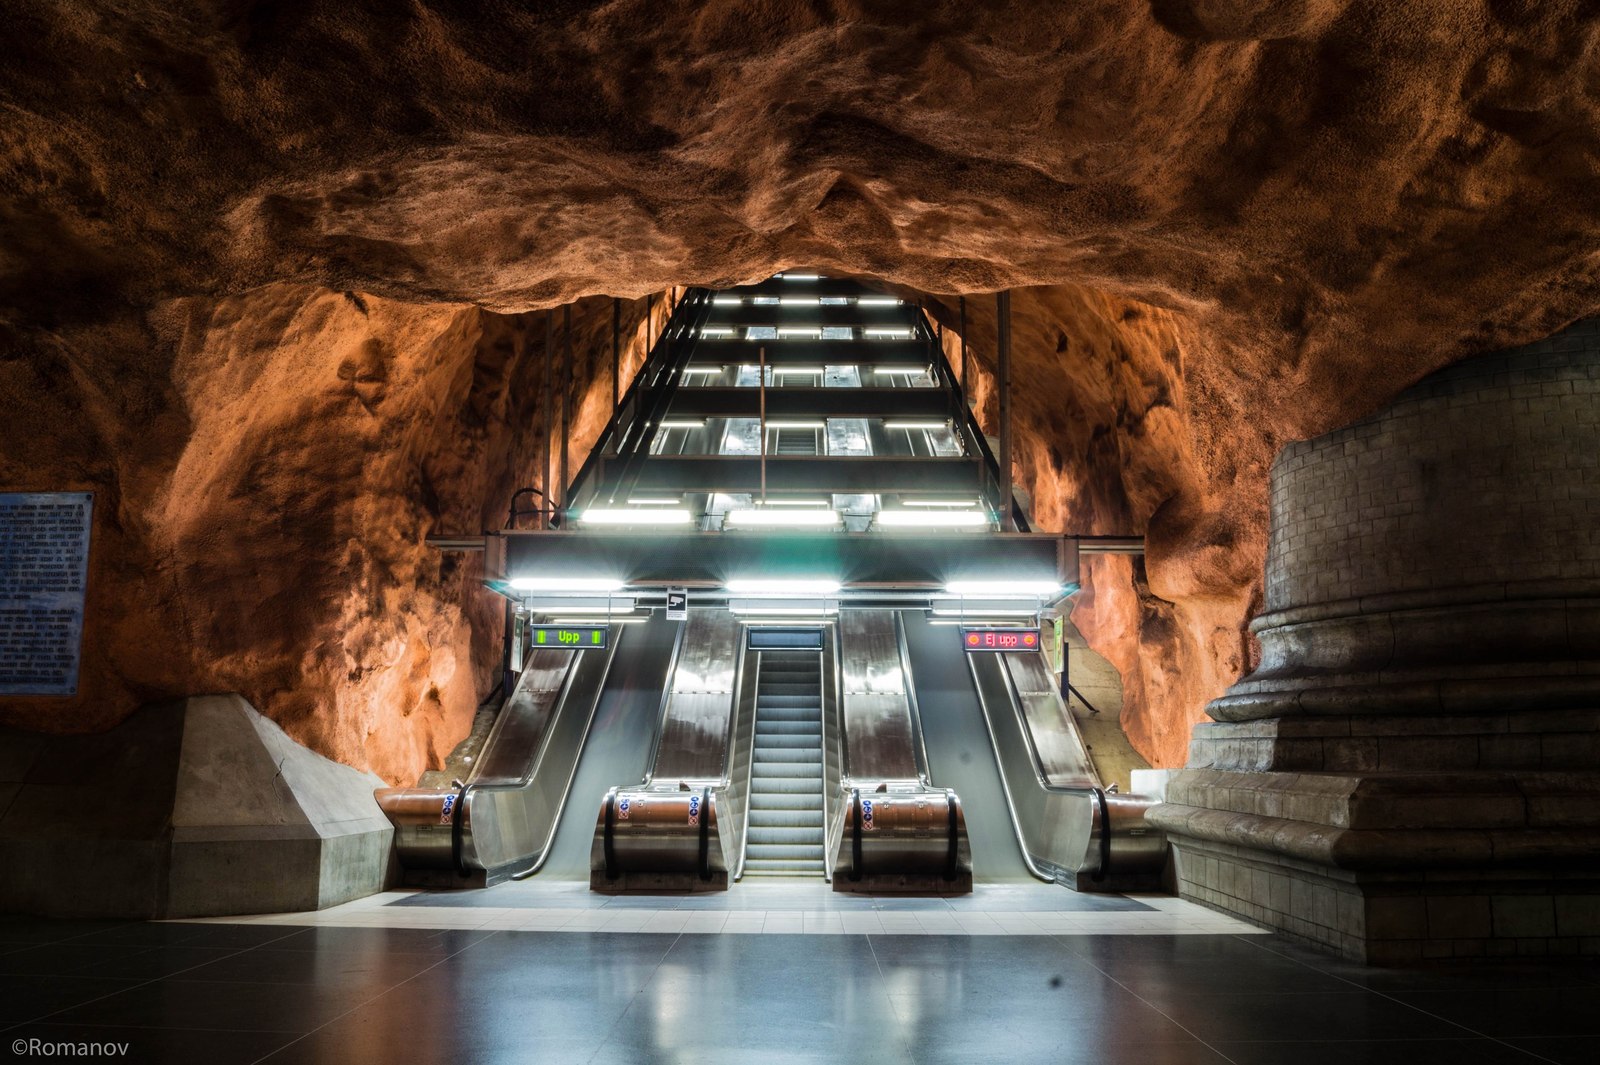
point(44, 572)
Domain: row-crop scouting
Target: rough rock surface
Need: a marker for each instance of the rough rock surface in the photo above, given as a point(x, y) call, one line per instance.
point(1239, 222)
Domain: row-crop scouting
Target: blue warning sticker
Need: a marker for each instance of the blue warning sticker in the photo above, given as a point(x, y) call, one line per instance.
point(624, 807)
point(694, 809)
point(866, 815)
point(447, 809)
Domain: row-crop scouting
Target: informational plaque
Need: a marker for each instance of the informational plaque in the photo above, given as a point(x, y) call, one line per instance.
point(44, 571)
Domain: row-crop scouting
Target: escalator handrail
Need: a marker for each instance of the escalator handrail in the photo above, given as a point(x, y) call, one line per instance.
point(855, 835)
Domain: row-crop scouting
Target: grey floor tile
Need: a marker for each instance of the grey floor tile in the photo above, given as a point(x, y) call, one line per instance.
point(1391, 1052)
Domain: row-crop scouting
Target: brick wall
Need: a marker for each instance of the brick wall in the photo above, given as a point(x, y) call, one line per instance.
point(1487, 471)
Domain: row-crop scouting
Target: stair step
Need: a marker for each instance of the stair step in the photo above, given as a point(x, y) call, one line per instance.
point(784, 851)
point(788, 742)
point(790, 728)
point(807, 820)
point(788, 785)
point(781, 800)
point(760, 867)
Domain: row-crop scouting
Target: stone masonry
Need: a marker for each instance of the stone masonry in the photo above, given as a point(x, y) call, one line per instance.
point(1414, 769)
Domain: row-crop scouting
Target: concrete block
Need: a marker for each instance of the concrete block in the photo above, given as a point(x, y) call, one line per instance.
point(1521, 916)
point(1577, 915)
point(1459, 917)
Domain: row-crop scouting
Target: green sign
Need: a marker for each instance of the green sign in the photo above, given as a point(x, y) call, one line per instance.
point(573, 637)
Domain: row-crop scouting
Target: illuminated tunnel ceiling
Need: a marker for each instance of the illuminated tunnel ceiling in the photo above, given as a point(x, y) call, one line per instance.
point(269, 277)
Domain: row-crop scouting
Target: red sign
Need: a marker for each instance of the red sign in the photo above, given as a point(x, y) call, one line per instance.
point(1006, 639)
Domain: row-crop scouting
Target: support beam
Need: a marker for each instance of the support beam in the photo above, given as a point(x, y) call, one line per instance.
point(566, 396)
point(549, 414)
point(870, 402)
point(616, 354)
point(847, 475)
point(1008, 521)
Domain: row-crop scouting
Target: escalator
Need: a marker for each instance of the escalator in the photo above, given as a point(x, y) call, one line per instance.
point(786, 834)
point(569, 711)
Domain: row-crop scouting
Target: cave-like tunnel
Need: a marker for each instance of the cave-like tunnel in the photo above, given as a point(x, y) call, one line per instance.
point(827, 531)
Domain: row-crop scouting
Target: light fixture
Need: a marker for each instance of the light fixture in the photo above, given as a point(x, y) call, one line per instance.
point(975, 621)
point(927, 519)
point(812, 331)
point(768, 609)
point(566, 584)
point(727, 301)
point(783, 586)
point(899, 423)
point(877, 301)
point(797, 423)
point(800, 277)
point(900, 369)
point(939, 502)
point(793, 518)
point(683, 423)
point(798, 301)
point(654, 501)
point(793, 502)
point(642, 516)
point(789, 371)
point(815, 619)
point(1003, 587)
point(717, 331)
point(987, 612)
point(687, 370)
point(875, 334)
point(626, 619)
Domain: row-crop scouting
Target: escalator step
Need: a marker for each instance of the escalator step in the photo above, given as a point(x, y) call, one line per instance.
point(790, 764)
point(790, 728)
point(784, 851)
point(778, 800)
point(788, 743)
point(763, 822)
point(788, 785)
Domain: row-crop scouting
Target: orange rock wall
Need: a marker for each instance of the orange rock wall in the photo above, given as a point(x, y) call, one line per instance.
point(261, 513)
point(1230, 223)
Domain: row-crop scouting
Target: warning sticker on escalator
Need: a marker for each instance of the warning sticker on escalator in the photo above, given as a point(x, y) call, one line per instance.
point(447, 809)
point(694, 809)
point(866, 815)
point(624, 808)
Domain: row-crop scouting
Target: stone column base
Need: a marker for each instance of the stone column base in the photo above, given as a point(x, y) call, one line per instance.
point(1396, 868)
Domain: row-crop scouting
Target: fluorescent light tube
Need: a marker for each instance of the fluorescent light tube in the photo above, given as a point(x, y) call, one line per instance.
point(795, 518)
point(626, 619)
point(925, 519)
point(896, 423)
point(566, 584)
point(640, 516)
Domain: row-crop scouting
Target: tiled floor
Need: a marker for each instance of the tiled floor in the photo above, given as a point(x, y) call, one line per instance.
point(429, 991)
point(791, 907)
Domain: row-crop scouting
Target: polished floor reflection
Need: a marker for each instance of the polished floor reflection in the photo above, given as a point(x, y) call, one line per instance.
point(221, 993)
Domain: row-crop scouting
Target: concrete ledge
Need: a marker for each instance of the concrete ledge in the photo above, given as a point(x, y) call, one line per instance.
point(197, 808)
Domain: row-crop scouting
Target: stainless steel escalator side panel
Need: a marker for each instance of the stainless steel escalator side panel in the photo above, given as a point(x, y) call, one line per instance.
point(506, 814)
point(877, 713)
point(735, 797)
point(694, 734)
point(520, 726)
point(508, 828)
point(1058, 746)
point(682, 802)
point(1053, 827)
point(834, 755)
point(919, 843)
point(1127, 848)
